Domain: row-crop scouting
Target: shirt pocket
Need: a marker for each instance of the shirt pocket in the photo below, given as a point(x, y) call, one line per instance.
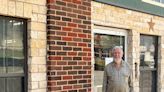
point(110, 81)
point(109, 77)
point(125, 76)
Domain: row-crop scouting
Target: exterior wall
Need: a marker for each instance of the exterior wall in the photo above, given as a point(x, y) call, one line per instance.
point(139, 5)
point(136, 23)
point(35, 12)
point(69, 45)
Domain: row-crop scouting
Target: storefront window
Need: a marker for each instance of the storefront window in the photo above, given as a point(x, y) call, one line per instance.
point(160, 1)
point(147, 51)
point(103, 44)
point(12, 54)
point(102, 49)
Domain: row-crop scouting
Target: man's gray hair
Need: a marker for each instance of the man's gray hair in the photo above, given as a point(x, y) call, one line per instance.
point(117, 47)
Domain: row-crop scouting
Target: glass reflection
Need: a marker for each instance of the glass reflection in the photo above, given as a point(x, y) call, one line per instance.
point(147, 51)
point(2, 85)
point(157, 0)
point(162, 1)
point(11, 55)
point(11, 46)
point(14, 84)
point(103, 45)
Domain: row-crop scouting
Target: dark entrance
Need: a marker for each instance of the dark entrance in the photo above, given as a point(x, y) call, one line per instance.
point(148, 63)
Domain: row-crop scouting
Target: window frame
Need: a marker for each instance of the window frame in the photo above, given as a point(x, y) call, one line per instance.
point(108, 31)
point(157, 39)
point(25, 50)
point(154, 2)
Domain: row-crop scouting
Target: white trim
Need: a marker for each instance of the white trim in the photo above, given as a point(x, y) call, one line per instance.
point(96, 88)
point(154, 3)
point(111, 31)
point(92, 59)
point(108, 31)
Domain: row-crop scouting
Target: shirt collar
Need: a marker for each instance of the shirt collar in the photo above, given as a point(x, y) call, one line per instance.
point(122, 63)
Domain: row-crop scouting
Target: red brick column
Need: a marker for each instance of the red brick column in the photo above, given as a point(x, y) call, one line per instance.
point(69, 42)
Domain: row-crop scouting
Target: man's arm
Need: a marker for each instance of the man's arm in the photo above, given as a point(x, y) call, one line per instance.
point(131, 83)
point(104, 88)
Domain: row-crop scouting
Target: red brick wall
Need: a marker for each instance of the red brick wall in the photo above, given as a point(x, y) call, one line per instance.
point(69, 43)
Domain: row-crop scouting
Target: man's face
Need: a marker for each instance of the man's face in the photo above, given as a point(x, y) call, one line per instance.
point(117, 54)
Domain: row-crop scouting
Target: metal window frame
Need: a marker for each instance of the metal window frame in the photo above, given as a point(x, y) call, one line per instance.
point(25, 50)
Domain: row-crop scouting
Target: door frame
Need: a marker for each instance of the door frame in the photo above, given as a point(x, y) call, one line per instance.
point(107, 31)
point(157, 56)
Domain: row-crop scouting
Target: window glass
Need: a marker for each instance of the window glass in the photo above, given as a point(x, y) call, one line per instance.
point(14, 50)
point(147, 51)
point(162, 1)
point(2, 46)
point(102, 48)
point(103, 45)
point(2, 85)
point(14, 84)
point(12, 55)
point(157, 0)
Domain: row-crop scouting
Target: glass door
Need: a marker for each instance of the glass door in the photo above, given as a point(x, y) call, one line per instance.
point(148, 63)
point(103, 44)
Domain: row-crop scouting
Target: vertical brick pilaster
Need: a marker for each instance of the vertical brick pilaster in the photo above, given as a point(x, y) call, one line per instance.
point(69, 42)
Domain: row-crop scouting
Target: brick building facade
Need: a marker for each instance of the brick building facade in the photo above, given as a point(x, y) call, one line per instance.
point(33, 13)
point(69, 45)
point(63, 45)
point(137, 26)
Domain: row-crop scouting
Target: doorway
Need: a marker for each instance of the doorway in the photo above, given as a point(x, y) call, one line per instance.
point(148, 63)
point(104, 40)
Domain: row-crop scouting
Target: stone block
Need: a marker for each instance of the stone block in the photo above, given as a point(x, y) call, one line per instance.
point(11, 8)
point(34, 85)
point(38, 90)
point(34, 43)
point(34, 17)
point(4, 6)
point(42, 52)
point(42, 68)
point(38, 77)
point(37, 60)
point(21, 0)
point(33, 68)
point(41, 18)
point(19, 9)
point(41, 44)
point(42, 10)
point(33, 52)
point(35, 8)
point(42, 35)
point(27, 10)
point(95, 4)
point(28, 1)
point(34, 34)
point(38, 43)
point(39, 2)
point(42, 84)
point(37, 26)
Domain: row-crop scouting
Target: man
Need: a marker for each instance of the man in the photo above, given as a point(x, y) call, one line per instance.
point(117, 75)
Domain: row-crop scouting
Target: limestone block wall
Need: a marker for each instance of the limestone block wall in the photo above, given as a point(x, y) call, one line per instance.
point(35, 12)
point(136, 23)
